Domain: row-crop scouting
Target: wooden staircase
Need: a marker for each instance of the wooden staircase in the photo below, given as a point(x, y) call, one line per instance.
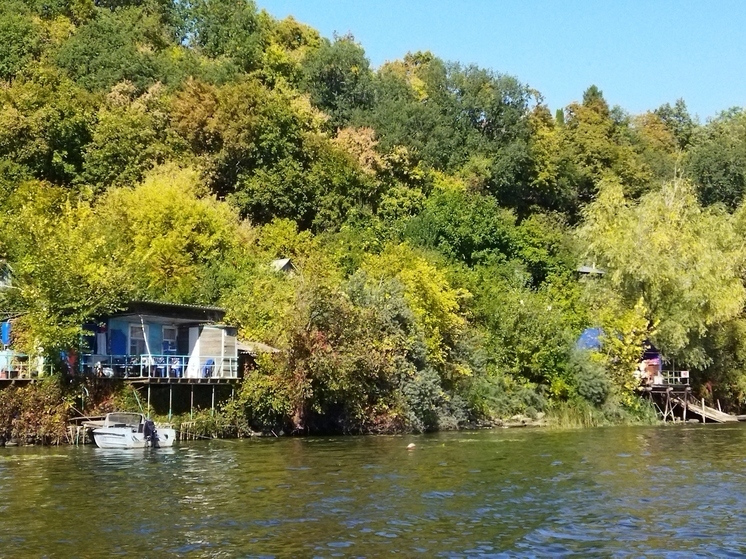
point(695, 406)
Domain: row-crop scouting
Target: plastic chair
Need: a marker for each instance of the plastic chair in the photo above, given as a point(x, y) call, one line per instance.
point(207, 368)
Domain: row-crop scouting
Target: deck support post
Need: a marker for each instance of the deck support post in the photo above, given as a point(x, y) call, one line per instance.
point(191, 404)
point(148, 398)
point(212, 407)
point(170, 399)
point(669, 406)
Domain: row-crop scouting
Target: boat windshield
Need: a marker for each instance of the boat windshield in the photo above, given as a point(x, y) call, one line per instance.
point(127, 419)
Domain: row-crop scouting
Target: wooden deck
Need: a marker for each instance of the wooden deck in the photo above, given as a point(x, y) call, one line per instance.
point(20, 381)
point(23, 381)
point(676, 402)
point(174, 380)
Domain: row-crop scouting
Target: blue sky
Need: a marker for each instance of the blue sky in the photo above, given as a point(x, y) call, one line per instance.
point(641, 54)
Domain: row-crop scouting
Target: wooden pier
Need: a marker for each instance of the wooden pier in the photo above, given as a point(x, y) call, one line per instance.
point(675, 402)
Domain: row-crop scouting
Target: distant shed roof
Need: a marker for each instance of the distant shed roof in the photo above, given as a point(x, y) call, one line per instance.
point(283, 265)
point(591, 270)
point(255, 347)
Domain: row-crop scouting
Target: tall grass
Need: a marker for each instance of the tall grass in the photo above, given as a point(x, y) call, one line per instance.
point(579, 413)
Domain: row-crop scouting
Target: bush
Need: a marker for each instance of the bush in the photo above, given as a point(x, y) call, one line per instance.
point(591, 380)
point(428, 406)
point(500, 396)
point(36, 413)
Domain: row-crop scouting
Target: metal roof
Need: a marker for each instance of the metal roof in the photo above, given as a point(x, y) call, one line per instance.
point(183, 305)
point(282, 265)
point(590, 270)
point(196, 313)
point(255, 347)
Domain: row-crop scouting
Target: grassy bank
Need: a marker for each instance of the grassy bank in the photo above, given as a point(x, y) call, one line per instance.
point(39, 413)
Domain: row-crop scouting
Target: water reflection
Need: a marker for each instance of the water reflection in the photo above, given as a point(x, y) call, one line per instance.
point(670, 491)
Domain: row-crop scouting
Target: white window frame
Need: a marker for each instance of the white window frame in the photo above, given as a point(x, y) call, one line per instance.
point(171, 340)
point(137, 327)
point(172, 329)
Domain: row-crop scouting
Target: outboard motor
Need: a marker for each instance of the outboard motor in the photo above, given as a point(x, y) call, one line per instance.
point(151, 435)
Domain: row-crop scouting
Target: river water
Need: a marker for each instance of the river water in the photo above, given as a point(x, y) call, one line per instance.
point(677, 491)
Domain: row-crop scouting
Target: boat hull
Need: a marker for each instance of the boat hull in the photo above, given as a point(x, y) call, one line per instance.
point(165, 437)
point(124, 438)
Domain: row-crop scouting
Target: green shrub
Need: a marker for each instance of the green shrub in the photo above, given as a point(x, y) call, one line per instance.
point(498, 396)
point(591, 380)
point(36, 413)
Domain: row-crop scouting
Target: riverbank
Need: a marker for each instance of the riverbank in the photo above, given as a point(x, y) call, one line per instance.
point(41, 413)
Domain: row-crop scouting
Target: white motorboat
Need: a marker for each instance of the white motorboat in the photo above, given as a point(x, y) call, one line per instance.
point(132, 430)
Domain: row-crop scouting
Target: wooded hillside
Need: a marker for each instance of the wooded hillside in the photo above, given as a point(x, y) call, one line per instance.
point(436, 213)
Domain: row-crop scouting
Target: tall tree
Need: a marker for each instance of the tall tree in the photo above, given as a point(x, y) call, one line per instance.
point(678, 120)
point(227, 28)
point(124, 44)
point(685, 262)
point(337, 76)
point(717, 160)
point(22, 38)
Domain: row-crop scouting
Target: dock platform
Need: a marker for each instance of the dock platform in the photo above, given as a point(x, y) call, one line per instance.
point(676, 402)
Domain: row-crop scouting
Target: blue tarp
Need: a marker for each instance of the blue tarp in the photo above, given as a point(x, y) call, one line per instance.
point(5, 333)
point(590, 339)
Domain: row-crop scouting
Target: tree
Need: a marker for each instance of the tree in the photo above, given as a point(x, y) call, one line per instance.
point(717, 160)
point(131, 136)
point(678, 120)
point(682, 260)
point(65, 270)
point(289, 43)
point(435, 304)
point(169, 233)
point(227, 28)
point(115, 46)
point(553, 176)
point(22, 39)
point(337, 77)
point(465, 227)
point(45, 124)
point(528, 332)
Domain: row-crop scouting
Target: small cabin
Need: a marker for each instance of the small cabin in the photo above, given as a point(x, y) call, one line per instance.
point(284, 265)
point(155, 339)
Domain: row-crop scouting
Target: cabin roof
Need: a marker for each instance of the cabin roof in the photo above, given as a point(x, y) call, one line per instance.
point(196, 313)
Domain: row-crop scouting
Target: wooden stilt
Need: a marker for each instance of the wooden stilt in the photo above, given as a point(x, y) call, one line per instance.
point(170, 399)
point(191, 405)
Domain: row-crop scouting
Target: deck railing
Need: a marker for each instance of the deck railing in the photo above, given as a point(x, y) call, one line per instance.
point(672, 378)
point(159, 366)
point(14, 365)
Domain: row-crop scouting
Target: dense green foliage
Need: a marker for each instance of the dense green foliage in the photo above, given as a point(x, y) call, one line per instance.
point(436, 214)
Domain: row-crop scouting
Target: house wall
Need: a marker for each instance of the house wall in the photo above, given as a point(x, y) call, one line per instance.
point(212, 350)
point(213, 344)
point(118, 335)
